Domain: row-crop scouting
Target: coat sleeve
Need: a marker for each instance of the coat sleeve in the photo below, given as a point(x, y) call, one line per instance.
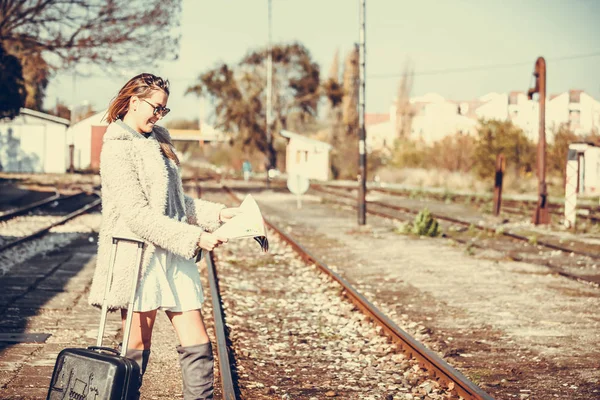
point(203, 213)
point(120, 178)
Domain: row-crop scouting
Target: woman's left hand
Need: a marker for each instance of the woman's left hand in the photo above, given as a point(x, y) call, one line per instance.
point(227, 213)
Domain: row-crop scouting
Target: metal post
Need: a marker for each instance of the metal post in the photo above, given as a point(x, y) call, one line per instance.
point(269, 99)
point(541, 215)
point(71, 158)
point(572, 181)
point(500, 166)
point(362, 153)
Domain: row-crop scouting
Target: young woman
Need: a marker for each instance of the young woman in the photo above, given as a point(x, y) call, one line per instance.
point(142, 197)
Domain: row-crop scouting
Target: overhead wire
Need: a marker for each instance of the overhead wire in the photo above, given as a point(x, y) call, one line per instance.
point(481, 67)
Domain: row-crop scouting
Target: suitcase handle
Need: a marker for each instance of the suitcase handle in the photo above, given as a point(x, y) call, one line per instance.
point(104, 349)
point(135, 277)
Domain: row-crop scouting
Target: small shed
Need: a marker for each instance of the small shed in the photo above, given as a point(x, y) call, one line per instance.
point(587, 156)
point(307, 157)
point(86, 136)
point(34, 142)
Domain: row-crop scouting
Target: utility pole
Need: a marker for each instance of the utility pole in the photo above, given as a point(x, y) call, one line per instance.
point(269, 100)
point(362, 153)
point(72, 120)
point(541, 215)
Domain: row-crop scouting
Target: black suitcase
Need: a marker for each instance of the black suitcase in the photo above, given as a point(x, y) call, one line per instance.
point(96, 372)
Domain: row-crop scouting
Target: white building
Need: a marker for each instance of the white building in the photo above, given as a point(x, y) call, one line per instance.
point(434, 118)
point(587, 173)
point(34, 142)
point(575, 108)
point(307, 157)
point(206, 134)
point(86, 136)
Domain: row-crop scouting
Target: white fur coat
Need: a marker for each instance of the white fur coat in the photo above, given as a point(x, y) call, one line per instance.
point(134, 197)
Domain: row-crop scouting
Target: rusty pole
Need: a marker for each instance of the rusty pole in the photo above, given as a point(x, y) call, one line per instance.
point(362, 152)
point(541, 215)
point(500, 166)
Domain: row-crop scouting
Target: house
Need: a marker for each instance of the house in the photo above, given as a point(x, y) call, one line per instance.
point(307, 157)
point(86, 136)
point(34, 142)
point(576, 109)
point(434, 118)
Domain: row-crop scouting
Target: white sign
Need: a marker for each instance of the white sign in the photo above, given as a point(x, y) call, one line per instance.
point(298, 184)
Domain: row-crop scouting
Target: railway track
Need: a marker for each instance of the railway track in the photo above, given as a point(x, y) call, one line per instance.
point(440, 374)
point(589, 213)
point(43, 217)
point(534, 243)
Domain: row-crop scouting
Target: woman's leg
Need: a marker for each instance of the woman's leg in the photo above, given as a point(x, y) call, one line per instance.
point(140, 339)
point(195, 354)
point(189, 326)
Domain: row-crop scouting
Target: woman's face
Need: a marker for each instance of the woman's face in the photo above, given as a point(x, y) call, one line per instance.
point(142, 110)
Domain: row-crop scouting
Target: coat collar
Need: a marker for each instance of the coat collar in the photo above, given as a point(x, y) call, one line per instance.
point(119, 131)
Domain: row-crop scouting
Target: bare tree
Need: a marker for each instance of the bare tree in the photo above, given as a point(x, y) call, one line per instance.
point(106, 32)
point(74, 33)
point(404, 110)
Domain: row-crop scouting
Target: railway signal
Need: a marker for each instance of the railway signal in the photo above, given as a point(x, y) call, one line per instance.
point(541, 215)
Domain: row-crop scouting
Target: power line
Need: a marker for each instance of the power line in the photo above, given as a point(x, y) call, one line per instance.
point(425, 72)
point(480, 67)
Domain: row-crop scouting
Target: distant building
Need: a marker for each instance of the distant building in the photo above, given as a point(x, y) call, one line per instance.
point(587, 173)
point(34, 142)
point(307, 157)
point(435, 117)
point(575, 108)
point(86, 136)
point(206, 134)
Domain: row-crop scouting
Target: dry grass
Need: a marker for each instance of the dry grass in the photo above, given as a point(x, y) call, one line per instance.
point(462, 181)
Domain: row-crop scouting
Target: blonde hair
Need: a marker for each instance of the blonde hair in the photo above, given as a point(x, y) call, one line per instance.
point(142, 86)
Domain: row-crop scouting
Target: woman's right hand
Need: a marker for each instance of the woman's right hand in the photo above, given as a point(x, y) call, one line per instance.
point(209, 241)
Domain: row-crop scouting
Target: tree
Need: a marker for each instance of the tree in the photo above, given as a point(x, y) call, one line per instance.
point(404, 110)
point(350, 100)
point(343, 116)
point(453, 153)
point(238, 94)
point(12, 85)
point(557, 151)
point(61, 110)
point(68, 33)
point(334, 92)
point(495, 137)
point(36, 74)
point(183, 124)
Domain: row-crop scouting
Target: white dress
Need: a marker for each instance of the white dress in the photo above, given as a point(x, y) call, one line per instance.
point(171, 283)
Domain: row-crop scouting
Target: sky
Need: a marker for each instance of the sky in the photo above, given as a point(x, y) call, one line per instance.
point(436, 36)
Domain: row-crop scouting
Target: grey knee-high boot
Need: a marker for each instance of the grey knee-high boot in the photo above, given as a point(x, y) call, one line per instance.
point(141, 357)
point(197, 371)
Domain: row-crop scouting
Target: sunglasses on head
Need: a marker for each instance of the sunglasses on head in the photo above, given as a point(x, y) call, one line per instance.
point(158, 110)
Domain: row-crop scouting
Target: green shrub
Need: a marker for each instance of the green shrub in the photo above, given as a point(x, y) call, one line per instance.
point(425, 224)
